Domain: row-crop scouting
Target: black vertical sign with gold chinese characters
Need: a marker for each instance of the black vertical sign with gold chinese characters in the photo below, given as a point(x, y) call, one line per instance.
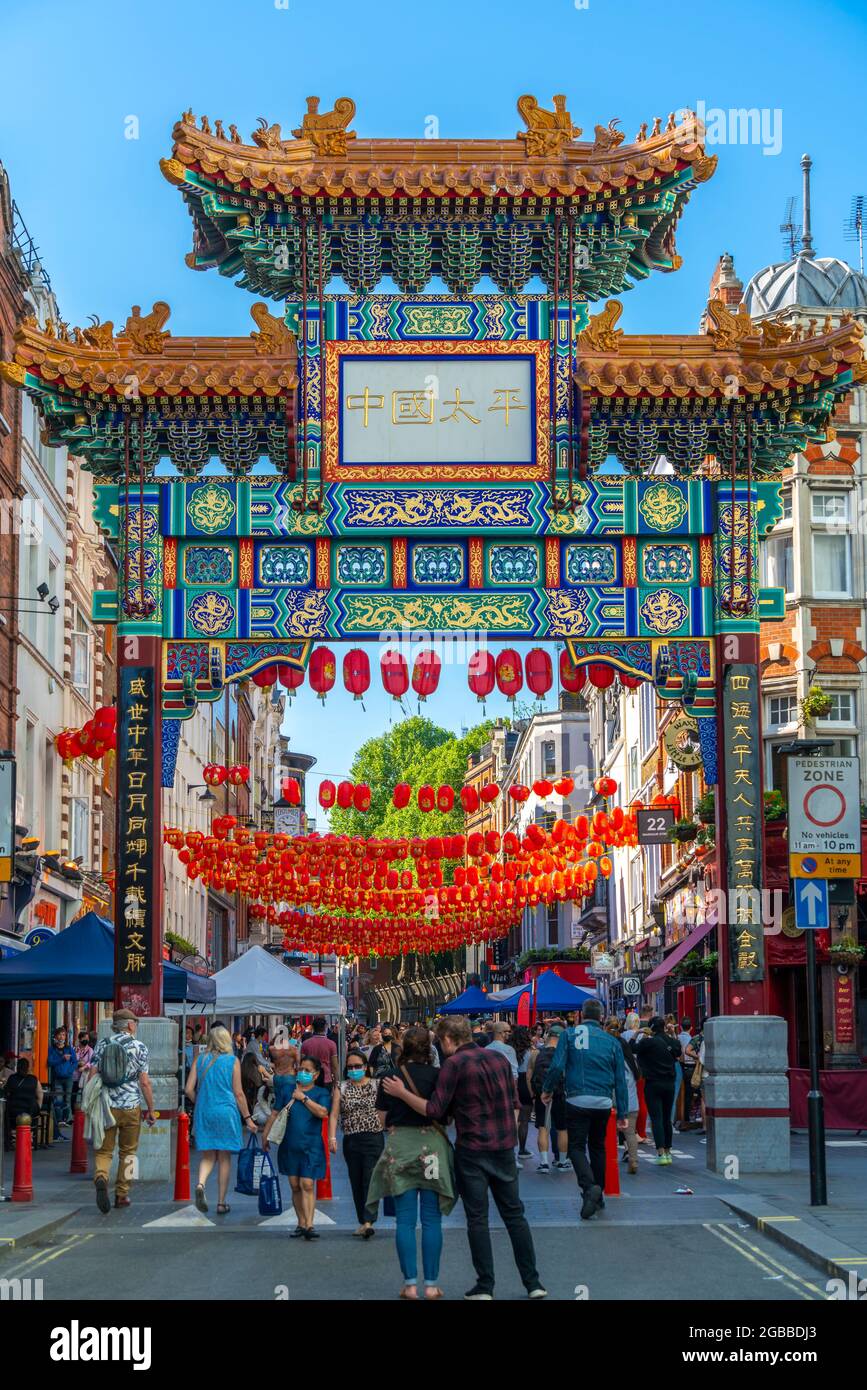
point(136, 793)
point(743, 808)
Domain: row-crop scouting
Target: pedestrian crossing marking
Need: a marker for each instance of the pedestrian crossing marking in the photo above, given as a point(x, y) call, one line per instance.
point(186, 1217)
point(288, 1218)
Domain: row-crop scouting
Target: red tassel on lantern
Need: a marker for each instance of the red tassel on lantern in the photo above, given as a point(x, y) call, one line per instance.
point(356, 673)
point(323, 671)
point(426, 674)
point(395, 675)
point(540, 673)
point(509, 673)
point(572, 678)
point(481, 674)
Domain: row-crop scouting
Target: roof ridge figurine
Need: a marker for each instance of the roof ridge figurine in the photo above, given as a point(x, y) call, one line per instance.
point(547, 131)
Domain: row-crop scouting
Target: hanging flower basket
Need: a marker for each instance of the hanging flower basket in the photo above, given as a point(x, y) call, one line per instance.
point(683, 831)
point(846, 952)
point(816, 704)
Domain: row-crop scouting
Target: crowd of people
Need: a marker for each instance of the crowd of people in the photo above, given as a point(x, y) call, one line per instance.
point(393, 1101)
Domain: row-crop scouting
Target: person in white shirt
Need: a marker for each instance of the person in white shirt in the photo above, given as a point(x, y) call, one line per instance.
point(500, 1034)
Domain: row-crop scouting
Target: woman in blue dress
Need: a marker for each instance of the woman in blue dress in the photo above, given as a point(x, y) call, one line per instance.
point(301, 1155)
point(214, 1084)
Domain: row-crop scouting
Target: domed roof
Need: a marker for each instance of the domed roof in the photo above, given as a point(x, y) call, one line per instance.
point(806, 282)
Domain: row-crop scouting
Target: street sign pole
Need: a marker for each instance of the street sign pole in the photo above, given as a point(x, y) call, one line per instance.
point(815, 1100)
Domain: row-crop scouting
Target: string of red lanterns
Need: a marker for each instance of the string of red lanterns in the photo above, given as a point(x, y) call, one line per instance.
point(93, 740)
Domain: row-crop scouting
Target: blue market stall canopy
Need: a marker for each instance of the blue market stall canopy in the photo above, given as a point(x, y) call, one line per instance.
point(552, 992)
point(78, 963)
point(472, 1001)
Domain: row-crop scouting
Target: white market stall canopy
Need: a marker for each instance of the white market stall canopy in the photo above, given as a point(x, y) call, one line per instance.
point(259, 983)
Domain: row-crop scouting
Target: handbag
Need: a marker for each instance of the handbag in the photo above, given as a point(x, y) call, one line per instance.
point(250, 1161)
point(262, 1108)
point(697, 1075)
point(270, 1199)
point(277, 1131)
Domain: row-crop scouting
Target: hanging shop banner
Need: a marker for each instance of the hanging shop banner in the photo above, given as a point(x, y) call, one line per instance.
point(743, 814)
point(135, 792)
point(844, 1007)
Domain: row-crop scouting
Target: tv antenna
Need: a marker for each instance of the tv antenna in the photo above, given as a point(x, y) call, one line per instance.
point(791, 229)
point(854, 230)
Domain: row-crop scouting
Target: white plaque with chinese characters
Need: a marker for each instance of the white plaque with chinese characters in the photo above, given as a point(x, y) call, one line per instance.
point(395, 413)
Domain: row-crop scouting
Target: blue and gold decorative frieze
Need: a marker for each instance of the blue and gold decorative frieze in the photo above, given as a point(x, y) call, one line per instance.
point(363, 565)
point(207, 565)
point(437, 566)
point(417, 509)
point(592, 563)
point(511, 563)
point(473, 611)
point(289, 565)
point(671, 563)
point(667, 506)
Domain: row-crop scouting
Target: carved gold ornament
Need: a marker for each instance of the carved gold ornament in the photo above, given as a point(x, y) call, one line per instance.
point(547, 131)
point(327, 130)
point(600, 335)
point(145, 331)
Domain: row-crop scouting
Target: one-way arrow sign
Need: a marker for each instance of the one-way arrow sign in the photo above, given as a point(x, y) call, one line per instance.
point(811, 904)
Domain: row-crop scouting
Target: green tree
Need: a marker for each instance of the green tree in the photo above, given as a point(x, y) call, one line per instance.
point(416, 751)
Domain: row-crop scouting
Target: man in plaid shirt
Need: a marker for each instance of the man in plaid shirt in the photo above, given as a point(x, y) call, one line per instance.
point(477, 1090)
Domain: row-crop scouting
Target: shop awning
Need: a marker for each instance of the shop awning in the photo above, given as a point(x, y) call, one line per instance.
point(689, 943)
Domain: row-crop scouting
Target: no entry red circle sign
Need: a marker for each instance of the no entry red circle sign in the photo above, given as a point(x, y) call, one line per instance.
point(824, 805)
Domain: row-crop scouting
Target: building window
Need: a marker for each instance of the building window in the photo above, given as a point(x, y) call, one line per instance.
point(633, 768)
point(647, 715)
point(832, 557)
point(779, 556)
point(781, 710)
point(81, 655)
point(80, 829)
point(549, 761)
point(553, 925)
point(786, 499)
point(842, 709)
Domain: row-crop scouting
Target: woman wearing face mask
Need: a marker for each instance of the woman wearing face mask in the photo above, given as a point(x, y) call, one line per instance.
point(362, 1136)
point(301, 1155)
point(385, 1055)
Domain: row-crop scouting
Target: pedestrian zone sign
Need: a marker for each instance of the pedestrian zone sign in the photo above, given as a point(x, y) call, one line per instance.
point(824, 818)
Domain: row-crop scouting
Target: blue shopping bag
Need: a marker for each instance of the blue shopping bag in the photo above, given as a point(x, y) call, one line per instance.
point(250, 1162)
point(270, 1200)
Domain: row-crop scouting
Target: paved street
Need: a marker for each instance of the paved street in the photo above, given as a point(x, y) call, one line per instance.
point(648, 1240)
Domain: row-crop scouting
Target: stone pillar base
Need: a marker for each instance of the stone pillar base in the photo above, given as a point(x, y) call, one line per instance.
point(155, 1149)
point(746, 1094)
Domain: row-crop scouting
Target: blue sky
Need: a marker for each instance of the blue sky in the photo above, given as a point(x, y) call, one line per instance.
point(112, 232)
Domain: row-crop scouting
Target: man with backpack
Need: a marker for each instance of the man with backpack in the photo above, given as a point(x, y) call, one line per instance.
point(122, 1064)
point(550, 1116)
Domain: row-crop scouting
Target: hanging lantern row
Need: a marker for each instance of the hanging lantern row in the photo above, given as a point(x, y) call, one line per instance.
point(357, 895)
point(598, 673)
point(214, 775)
point(93, 740)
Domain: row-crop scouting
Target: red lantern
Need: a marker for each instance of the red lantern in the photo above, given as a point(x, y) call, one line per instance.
point(600, 675)
point(265, 678)
point(239, 775)
point(540, 673)
point(356, 673)
point(214, 775)
point(572, 678)
point(426, 674)
point(290, 677)
point(481, 674)
point(509, 673)
point(361, 797)
point(291, 790)
point(489, 792)
point(105, 719)
point(395, 675)
point(631, 682)
point(605, 786)
point(519, 792)
point(65, 743)
point(469, 800)
point(401, 795)
point(445, 799)
point(543, 788)
point(344, 795)
point(327, 794)
point(426, 798)
point(565, 786)
point(323, 671)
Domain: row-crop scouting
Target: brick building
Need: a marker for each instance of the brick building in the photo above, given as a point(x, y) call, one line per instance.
point(13, 285)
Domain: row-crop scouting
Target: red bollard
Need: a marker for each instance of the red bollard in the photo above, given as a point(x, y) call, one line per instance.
point(22, 1182)
point(612, 1165)
point(182, 1159)
point(78, 1157)
point(323, 1186)
point(641, 1122)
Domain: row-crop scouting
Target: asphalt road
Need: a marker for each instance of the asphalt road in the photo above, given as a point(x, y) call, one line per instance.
point(713, 1261)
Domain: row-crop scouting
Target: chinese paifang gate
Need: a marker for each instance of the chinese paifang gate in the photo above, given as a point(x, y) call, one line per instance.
point(411, 462)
